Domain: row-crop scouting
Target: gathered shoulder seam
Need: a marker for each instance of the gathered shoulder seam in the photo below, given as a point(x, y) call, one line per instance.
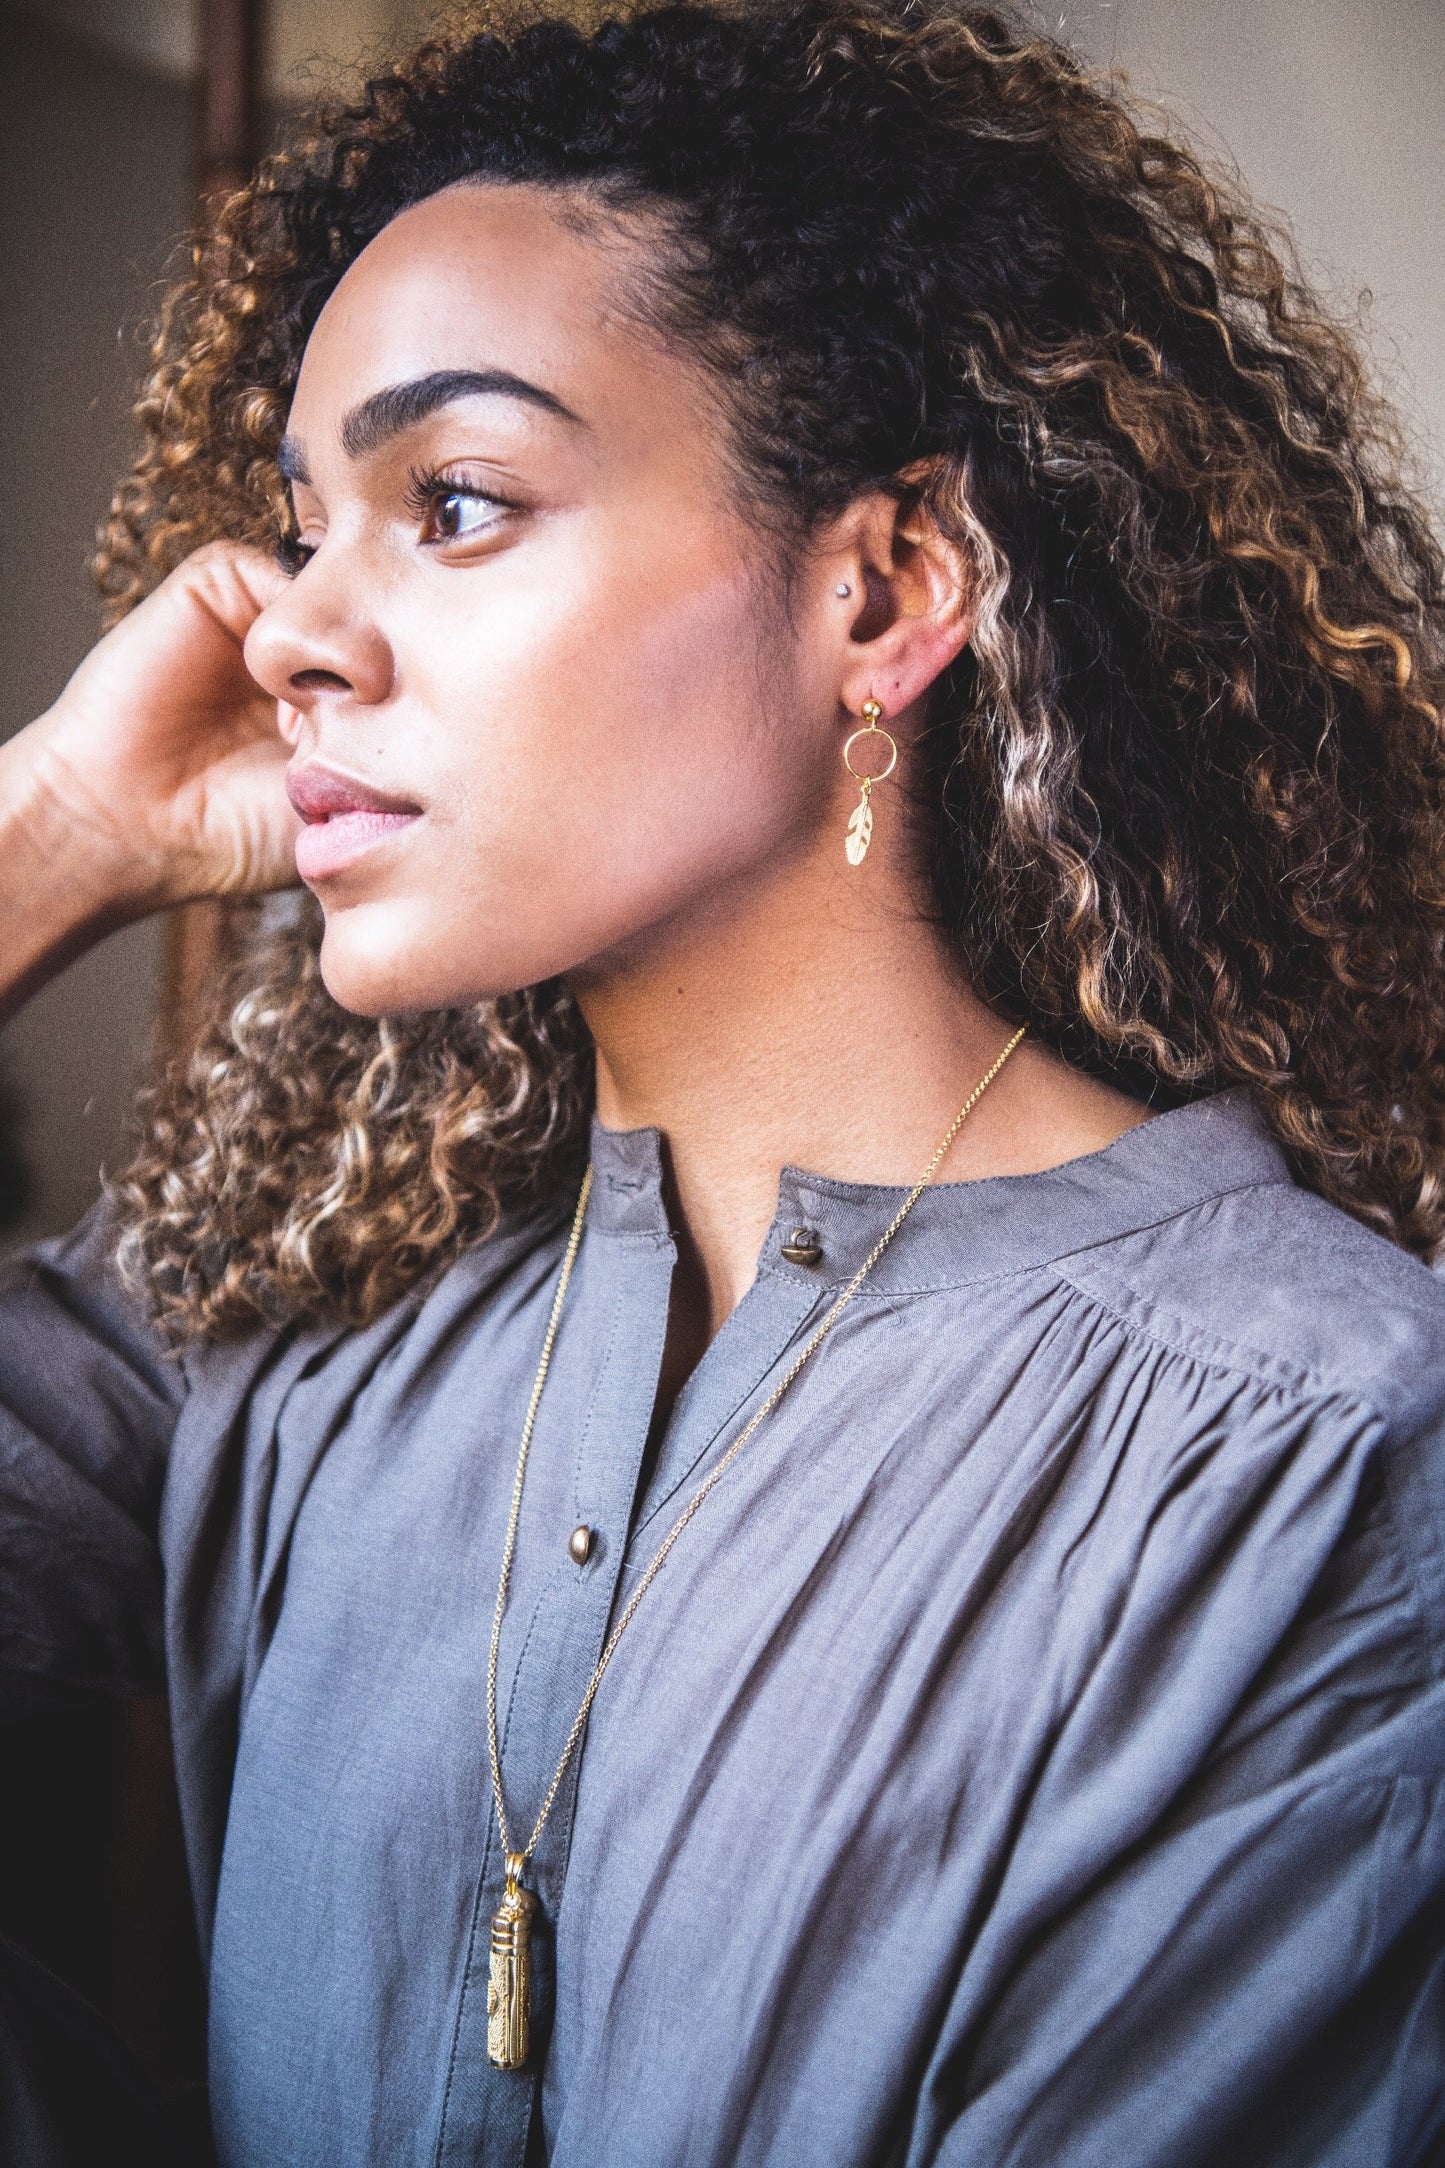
point(1145, 1319)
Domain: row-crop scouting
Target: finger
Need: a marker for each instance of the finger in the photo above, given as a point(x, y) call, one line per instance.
point(233, 583)
point(260, 573)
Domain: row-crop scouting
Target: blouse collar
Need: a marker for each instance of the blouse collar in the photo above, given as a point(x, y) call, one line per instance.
point(974, 1230)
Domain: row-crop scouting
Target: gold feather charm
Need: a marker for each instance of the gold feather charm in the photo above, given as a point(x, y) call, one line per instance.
point(860, 826)
point(509, 1982)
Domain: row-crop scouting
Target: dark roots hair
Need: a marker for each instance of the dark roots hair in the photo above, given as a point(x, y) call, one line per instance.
point(1186, 781)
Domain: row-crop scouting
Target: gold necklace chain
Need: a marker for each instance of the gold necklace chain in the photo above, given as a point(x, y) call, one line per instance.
point(509, 1996)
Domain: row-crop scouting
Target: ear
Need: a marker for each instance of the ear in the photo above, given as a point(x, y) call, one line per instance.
point(917, 610)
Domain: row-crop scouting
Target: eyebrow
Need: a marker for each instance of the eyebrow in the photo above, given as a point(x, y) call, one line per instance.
point(387, 413)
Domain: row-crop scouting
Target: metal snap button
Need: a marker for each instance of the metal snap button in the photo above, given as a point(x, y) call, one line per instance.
point(579, 1543)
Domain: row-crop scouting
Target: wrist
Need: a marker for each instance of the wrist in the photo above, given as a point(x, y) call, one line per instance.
point(83, 868)
point(59, 892)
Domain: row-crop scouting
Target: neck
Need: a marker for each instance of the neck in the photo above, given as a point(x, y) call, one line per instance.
point(809, 1015)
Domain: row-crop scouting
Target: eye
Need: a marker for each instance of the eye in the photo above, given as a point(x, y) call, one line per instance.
point(451, 508)
point(455, 514)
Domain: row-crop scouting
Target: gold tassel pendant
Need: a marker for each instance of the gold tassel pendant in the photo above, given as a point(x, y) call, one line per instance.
point(509, 1984)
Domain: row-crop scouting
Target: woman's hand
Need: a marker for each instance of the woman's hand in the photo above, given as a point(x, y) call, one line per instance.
point(155, 778)
point(164, 754)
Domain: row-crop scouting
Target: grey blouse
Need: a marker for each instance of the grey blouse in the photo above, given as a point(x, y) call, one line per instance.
point(1031, 1754)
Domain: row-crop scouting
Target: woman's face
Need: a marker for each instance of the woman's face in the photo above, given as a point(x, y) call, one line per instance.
point(543, 698)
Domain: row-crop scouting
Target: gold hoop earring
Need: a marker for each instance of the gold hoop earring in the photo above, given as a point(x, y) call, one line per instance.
point(860, 821)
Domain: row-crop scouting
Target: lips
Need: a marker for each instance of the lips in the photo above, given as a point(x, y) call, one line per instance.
point(344, 817)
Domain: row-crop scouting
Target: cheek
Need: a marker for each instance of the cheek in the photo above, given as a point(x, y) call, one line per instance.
point(592, 756)
point(608, 733)
point(671, 754)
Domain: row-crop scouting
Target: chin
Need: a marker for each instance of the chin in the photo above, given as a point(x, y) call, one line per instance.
point(376, 960)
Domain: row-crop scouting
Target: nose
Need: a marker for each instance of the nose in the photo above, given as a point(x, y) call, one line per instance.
point(314, 646)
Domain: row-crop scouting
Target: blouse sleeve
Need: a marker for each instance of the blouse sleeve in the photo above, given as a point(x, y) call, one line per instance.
point(1260, 1977)
point(88, 1401)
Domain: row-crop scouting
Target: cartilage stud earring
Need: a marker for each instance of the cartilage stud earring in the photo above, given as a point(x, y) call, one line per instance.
point(884, 746)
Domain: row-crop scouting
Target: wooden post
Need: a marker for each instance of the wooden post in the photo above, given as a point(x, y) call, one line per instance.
point(230, 92)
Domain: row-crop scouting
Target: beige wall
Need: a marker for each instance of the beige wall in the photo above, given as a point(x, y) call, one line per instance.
point(1335, 112)
point(1331, 107)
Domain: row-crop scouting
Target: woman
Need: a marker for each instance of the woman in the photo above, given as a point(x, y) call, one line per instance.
point(1018, 1706)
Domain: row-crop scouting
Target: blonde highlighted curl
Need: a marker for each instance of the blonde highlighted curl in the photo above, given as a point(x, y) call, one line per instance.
point(1185, 790)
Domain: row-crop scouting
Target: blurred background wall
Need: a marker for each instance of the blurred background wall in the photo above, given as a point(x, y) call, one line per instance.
point(1332, 109)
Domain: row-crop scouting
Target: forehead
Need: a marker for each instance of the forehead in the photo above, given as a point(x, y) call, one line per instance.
point(487, 276)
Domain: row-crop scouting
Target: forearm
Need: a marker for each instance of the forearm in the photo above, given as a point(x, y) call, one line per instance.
point(61, 886)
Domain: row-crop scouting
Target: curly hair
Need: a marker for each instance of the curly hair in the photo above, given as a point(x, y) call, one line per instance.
point(1185, 783)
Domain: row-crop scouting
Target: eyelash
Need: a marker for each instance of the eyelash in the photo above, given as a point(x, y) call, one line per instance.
point(292, 553)
point(426, 487)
